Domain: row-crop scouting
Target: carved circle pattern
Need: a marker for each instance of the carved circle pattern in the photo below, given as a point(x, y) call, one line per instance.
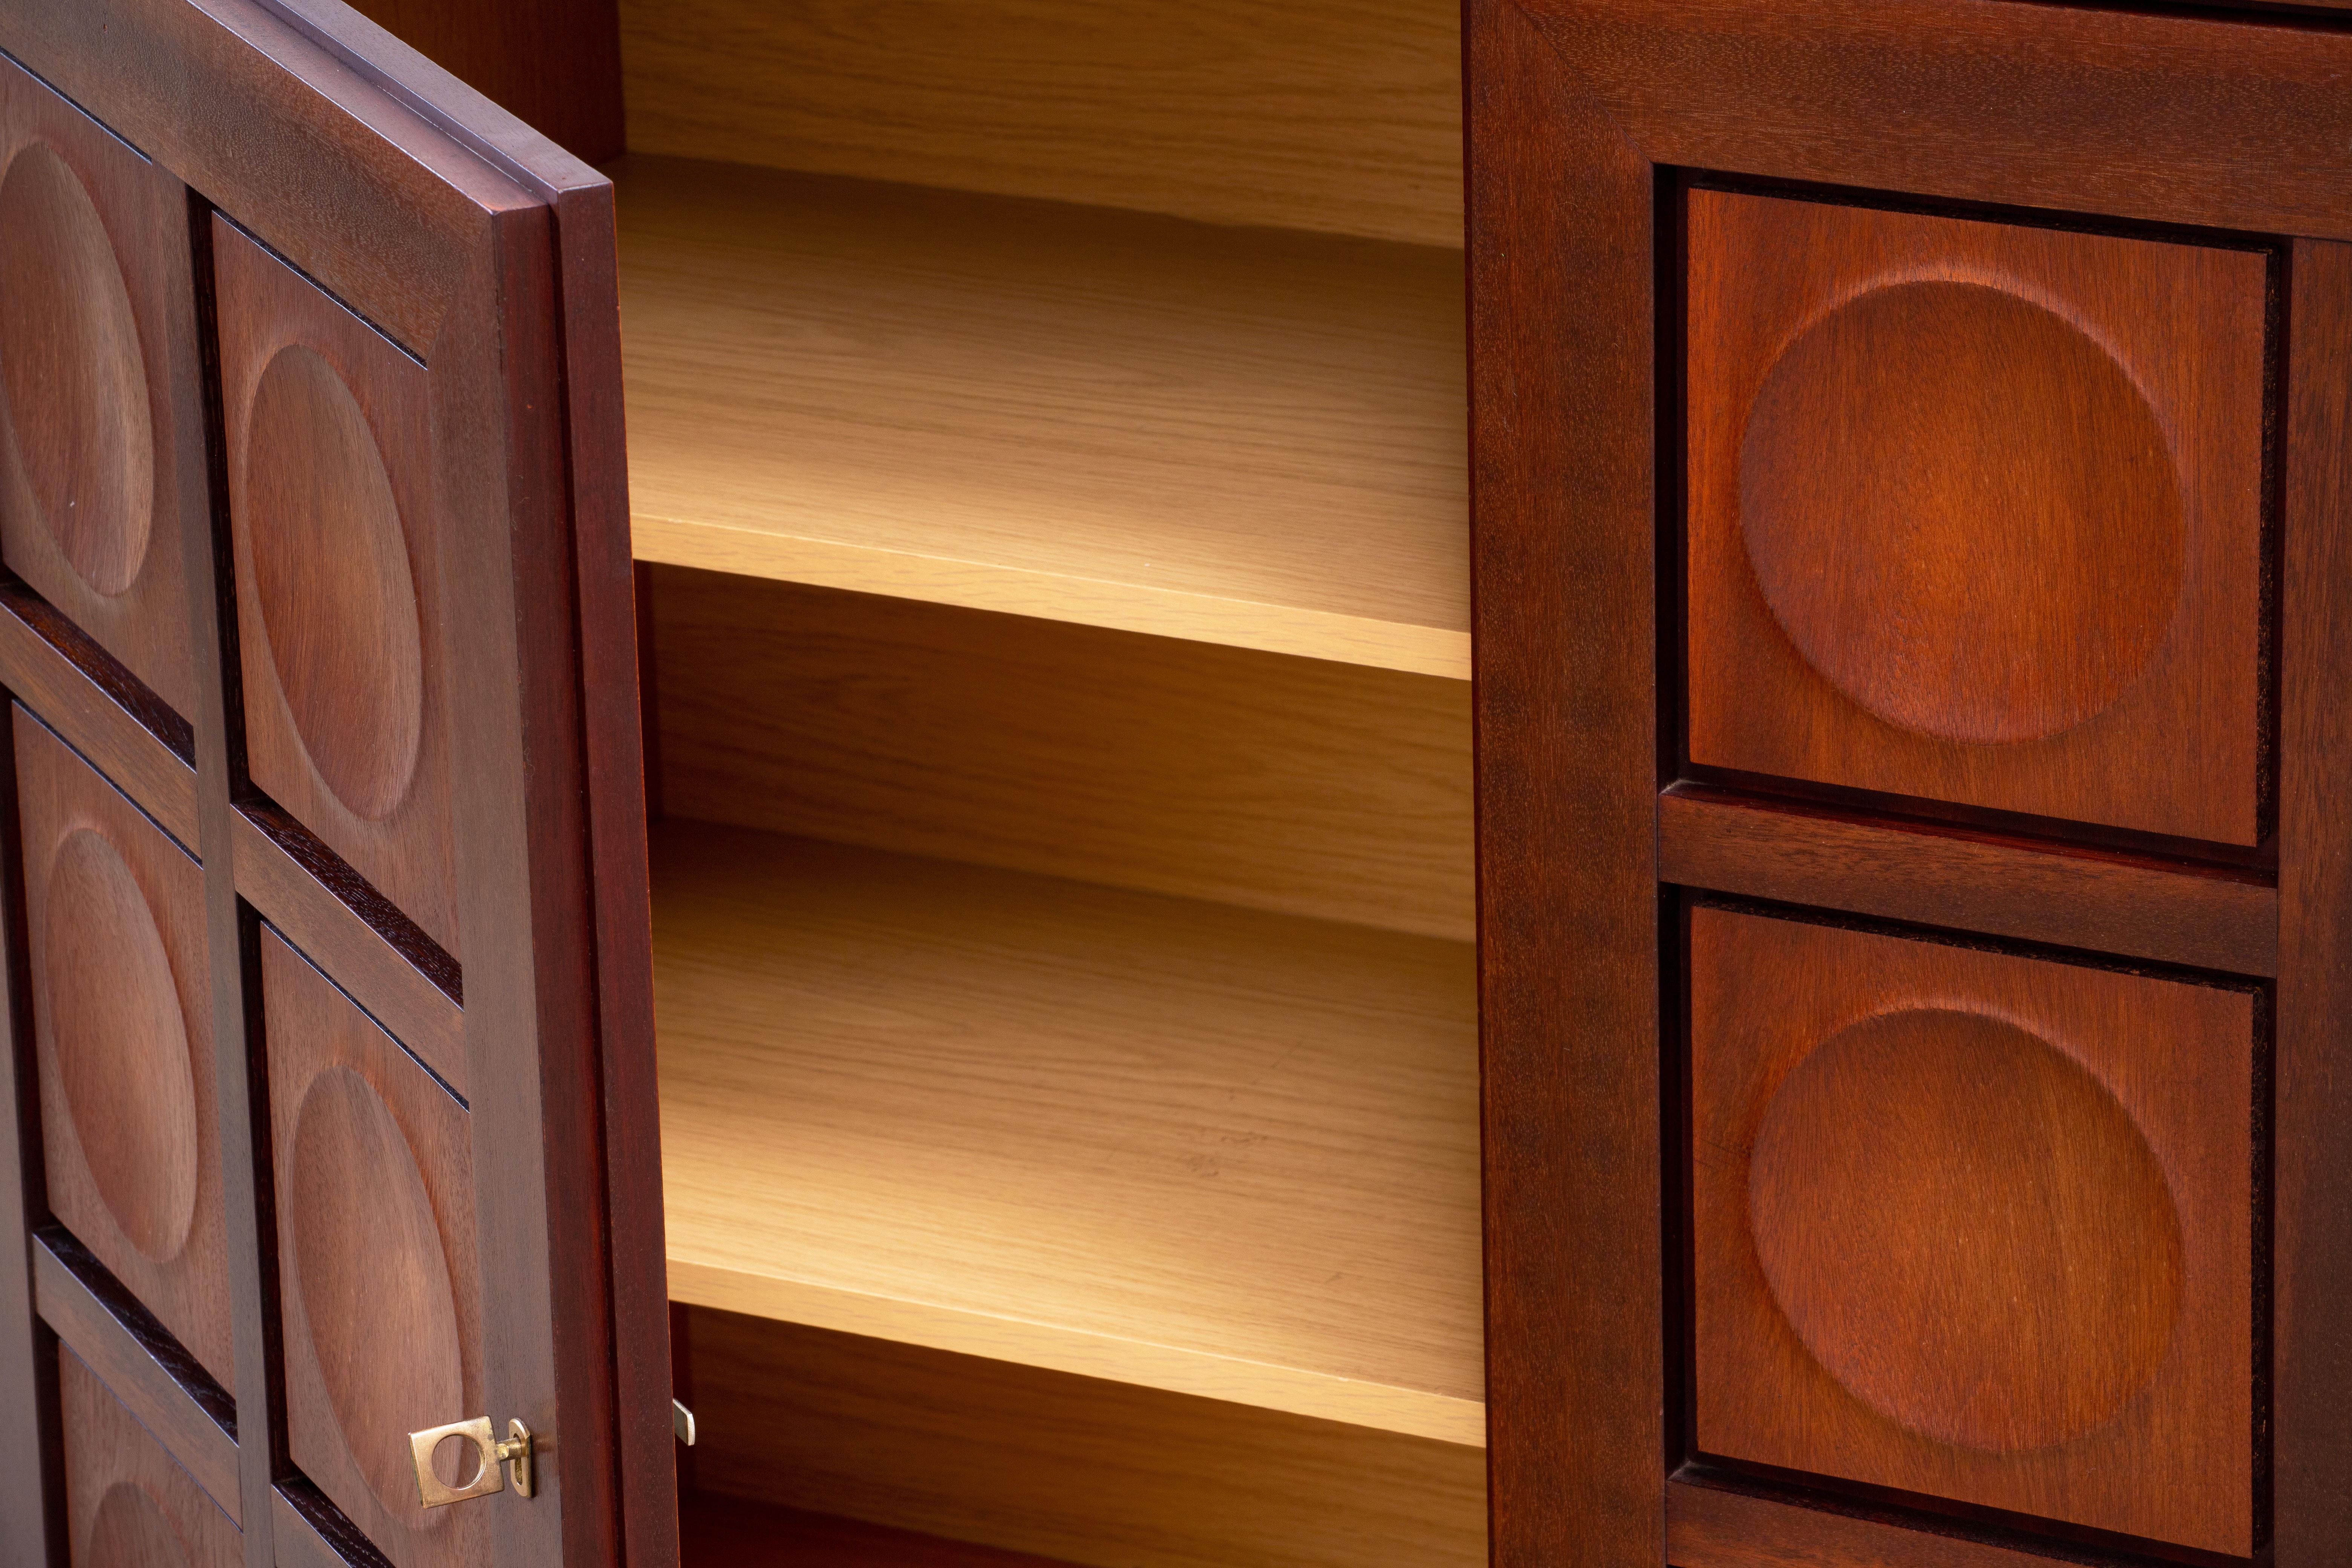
point(76, 379)
point(131, 1531)
point(1963, 513)
point(1967, 1229)
point(330, 569)
point(375, 1281)
point(121, 1043)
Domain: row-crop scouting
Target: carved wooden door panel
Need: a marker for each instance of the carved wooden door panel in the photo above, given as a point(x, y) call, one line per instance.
point(324, 889)
point(1914, 615)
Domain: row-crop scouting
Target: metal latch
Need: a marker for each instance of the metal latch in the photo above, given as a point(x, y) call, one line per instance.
point(492, 1460)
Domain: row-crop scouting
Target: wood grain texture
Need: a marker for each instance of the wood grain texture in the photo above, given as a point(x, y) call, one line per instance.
point(2135, 115)
point(2063, 894)
point(1563, 541)
point(2311, 1353)
point(162, 1386)
point(1139, 1138)
point(118, 961)
point(101, 420)
point(1234, 437)
point(386, 965)
point(376, 1261)
point(427, 212)
point(1065, 1467)
point(70, 681)
point(1296, 785)
point(336, 519)
point(1975, 513)
point(720, 1531)
point(1339, 115)
point(1708, 1528)
point(126, 1502)
point(554, 64)
point(1974, 1225)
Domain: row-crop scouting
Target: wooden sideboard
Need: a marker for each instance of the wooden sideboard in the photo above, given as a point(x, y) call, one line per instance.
point(979, 521)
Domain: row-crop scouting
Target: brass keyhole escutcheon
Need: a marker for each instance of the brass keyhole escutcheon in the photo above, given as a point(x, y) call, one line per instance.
point(493, 1458)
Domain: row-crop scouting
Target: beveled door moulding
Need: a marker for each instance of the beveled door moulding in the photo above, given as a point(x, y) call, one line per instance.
point(334, 511)
point(376, 1218)
point(128, 1504)
point(1976, 513)
point(102, 423)
point(122, 1024)
point(1975, 1225)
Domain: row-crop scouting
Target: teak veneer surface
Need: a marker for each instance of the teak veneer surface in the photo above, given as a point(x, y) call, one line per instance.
point(1241, 437)
point(1290, 784)
point(1138, 1138)
point(1339, 115)
point(127, 1503)
point(1068, 1467)
point(720, 1531)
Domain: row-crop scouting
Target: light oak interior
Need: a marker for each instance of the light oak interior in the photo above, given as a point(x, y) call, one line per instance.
point(1244, 436)
point(1151, 1140)
point(1046, 436)
point(1289, 785)
point(1068, 1467)
point(1338, 116)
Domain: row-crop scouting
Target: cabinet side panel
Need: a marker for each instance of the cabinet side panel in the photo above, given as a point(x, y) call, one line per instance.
point(2312, 1348)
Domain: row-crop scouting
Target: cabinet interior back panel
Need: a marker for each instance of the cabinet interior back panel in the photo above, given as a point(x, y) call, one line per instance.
point(1297, 785)
point(1339, 115)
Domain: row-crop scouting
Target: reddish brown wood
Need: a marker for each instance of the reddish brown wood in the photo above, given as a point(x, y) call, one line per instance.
point(2092, 109)
point(173, 1397)
point(337, 535)
point(555, 65)
point(1710, 1528)
point(375, 1247)
point(1562, 560)
point(124, 1029)
point(475, 246)
point(2311, 1355)
point(85, 696)
point(1941, 541)
point(127, 1503)
point(1974, 1225)
point(2063, 894)
point(104, 451)
point(387, 965)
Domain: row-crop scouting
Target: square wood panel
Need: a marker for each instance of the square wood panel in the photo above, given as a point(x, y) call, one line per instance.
point(1976, 513)
point(101, 411)
point(376, 1261)
point(1974, 1225)
point(122, 1026)
point(335, 513)
point(127, 1503)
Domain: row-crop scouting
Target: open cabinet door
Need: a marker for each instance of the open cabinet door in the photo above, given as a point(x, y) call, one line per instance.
point(333, 1112)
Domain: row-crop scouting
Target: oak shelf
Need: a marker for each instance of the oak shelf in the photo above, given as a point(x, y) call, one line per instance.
point(1137, 1137)
point(1236, 436)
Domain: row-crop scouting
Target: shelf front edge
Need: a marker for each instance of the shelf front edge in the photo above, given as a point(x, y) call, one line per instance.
point(1351, 1402)
point(1055, 596)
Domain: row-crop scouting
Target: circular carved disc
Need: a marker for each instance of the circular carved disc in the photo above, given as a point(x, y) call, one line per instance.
point(121, 1043)
point(1967, 1229)
point(131, 1531)
point(76, 380)
point(1963, 513)
point(330, 565)
point(374, 1282)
